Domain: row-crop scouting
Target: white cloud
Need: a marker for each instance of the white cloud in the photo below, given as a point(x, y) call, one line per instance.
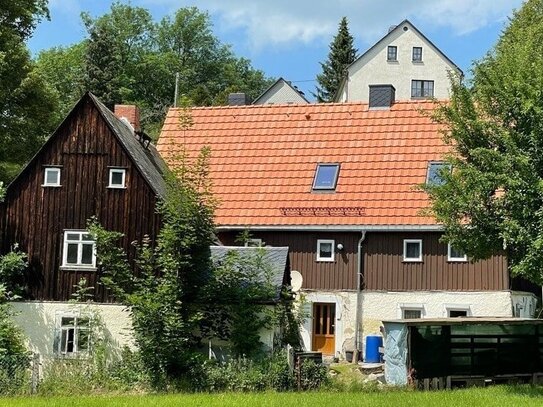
point(285, 22)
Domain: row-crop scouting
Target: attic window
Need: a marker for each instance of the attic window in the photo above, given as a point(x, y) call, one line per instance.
point(117, 178)
point(51, 177)
point(392, 53)
point(326, 177)
point(435, 172)
point(417, 54)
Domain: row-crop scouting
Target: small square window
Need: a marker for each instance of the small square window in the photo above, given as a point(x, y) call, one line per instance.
point(422, 89)
point(417, 54)
point(457, 310)
point(458, 313)
point(434, 175)
point(454, 254)
point(392, 53)
point(325, 250)
point(51, 177)
point(412, 250)
point(326, 177)
point(117, 177)
point(411, 311)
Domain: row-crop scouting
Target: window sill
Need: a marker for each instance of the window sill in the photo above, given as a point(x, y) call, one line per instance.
point(325, 260)
point(412, 261)
point(50, 186)
point(392, 61)
point(457, 260)
point(78, 268)
point(418, 62)
point(422, 97)
point(115, 187)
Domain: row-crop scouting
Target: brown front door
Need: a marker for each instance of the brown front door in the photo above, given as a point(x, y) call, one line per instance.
point(324, 329)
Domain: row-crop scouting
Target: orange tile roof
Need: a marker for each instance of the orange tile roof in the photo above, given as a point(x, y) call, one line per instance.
point(263, 161)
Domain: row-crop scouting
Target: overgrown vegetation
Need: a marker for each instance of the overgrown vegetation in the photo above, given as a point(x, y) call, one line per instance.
point(492, 200)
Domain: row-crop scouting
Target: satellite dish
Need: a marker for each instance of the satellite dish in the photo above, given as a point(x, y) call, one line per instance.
point(296, 280)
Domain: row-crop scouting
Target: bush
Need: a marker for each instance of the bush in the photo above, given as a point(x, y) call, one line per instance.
point(313, 375)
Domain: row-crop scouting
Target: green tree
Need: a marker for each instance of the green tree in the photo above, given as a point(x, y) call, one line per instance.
point(26, 102)
point(63, 69)
point(492, 201)
point(342, 54)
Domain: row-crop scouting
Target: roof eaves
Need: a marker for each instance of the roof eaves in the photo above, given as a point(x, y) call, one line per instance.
point(335, 228)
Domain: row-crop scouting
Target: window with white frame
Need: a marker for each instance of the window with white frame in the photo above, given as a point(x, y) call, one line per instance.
point(325, 250)
point(117, 178)
point(254, 243)
point(457, 310)
point(72, 337)
point(417, 54)
point(392, 53)
point(51, 177)
point(79, 249)
point(412, 250)
point(411, 311)
point(454, 254)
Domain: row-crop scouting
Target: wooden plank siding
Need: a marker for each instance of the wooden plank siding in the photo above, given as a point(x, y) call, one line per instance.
point(36, 216)
point(317, 275)
point(384, 268)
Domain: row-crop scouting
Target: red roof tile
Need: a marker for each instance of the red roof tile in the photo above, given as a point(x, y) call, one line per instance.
point(263, 161)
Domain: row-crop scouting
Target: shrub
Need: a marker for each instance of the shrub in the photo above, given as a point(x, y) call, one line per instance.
point(313, 375)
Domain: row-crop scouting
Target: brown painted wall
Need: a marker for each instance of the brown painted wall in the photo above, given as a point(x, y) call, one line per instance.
point(37, 216)
point(337, 275)
point(384, 268)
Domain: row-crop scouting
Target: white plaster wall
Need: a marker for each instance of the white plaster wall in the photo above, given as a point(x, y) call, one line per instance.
point(345, 318)
point(38, 321)
point(377, 306)
point(374, 69)
point(281, 93)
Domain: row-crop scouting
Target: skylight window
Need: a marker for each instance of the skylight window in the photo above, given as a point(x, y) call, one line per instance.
point(435, 172)
point(326, 177)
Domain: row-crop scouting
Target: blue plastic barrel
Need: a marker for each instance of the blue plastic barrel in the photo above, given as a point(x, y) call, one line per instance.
point(373, 343)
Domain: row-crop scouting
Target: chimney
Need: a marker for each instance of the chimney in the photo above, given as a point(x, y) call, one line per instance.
point(130, 113)
point(381, 96)
point(237, 99)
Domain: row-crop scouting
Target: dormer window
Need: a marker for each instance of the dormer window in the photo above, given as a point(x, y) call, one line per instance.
point(51, 177)
point(417, 54)
point(326, 177)
point(117, 178)
point(435, 172)
point(392, 53)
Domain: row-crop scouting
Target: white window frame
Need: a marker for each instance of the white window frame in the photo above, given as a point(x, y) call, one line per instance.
point(411, 307)
point(79, 242)
point(77, 316)
point(117, 170)
point(412, 259)
point(326, 241)
point(254, 243)
point(455, 259)
point(457, 307)
point(51, 169)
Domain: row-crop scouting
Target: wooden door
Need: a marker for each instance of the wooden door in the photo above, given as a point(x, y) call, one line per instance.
point(324, 328)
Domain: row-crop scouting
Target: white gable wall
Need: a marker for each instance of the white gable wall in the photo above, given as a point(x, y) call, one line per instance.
point(280, 93)
point(374, 69)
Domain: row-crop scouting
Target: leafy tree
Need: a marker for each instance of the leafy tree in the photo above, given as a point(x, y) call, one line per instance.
point(342, 54)
point(63, 69)
point(26, 101)
point(128, 58)
point(492, 201)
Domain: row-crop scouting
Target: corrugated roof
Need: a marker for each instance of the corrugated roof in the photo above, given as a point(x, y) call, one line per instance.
point(147, 160)
point(274, 257)
point(263, 161)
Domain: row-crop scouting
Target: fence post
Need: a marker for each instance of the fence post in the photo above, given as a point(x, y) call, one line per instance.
point(35, 372)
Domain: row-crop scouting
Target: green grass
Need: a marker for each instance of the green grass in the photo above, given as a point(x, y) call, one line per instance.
point(502, 396)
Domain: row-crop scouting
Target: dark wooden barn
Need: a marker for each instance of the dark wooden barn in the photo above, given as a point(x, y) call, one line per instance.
point(94, 164)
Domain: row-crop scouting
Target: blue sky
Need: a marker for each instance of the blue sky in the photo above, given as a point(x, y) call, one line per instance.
point(289, 38)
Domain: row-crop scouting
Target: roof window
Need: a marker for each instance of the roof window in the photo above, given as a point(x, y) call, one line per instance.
point(436, 170)
point(326, 177)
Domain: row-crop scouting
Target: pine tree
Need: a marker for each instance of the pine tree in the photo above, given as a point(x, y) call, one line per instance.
point(342, 54)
